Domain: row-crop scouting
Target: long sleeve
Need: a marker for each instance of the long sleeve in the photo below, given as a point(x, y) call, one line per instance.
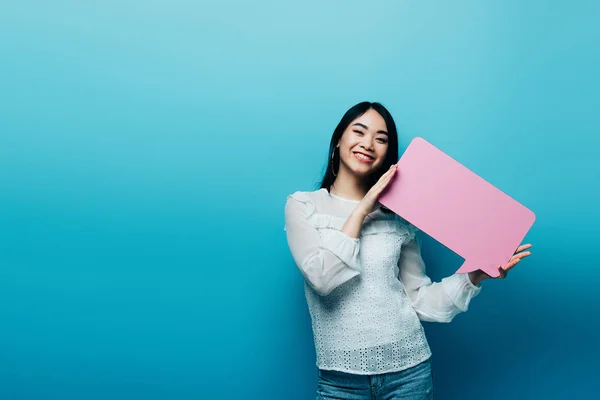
point(438, 301)
point(325, 264)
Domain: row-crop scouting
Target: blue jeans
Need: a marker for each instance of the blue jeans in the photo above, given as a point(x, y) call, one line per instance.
point(415, 383)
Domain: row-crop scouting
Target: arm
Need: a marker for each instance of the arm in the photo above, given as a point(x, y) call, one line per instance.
point(433, 302)
point(324, 264)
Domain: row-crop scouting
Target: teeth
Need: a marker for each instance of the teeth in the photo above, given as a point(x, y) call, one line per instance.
point(359, 155)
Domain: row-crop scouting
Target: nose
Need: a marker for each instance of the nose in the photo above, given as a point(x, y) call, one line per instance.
point(367, 144)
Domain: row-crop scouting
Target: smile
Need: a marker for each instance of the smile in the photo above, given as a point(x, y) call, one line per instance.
point(363, 158)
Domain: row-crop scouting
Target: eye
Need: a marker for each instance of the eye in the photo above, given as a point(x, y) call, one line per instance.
point(382, 140)
point(359, 132)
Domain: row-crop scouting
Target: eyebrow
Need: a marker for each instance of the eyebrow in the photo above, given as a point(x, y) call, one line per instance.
point(366, 127)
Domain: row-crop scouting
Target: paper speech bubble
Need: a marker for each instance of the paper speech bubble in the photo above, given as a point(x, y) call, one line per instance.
point(456, 207)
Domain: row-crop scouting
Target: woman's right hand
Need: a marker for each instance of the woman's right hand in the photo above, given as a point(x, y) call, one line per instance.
point(367, 204)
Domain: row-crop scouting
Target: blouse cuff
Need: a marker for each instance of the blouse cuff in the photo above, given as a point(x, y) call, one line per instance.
point(345, 248)
point(461, 290)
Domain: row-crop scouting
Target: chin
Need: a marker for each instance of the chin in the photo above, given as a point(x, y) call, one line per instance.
point(364, 170)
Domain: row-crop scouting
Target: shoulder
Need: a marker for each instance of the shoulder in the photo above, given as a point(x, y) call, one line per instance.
point(407, 228)
point(307, 197)
point(304, 203)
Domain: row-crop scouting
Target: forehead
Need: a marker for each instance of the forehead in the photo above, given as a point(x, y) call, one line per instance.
point(372, 119)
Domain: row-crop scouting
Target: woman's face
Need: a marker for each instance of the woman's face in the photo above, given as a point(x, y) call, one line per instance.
point(363, 145)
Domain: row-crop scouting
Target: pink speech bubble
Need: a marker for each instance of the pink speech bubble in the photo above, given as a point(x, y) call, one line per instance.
point(456, 207)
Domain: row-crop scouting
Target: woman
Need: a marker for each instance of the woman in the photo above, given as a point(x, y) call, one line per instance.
point(365, 281)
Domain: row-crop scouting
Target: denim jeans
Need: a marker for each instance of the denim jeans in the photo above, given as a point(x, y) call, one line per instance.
point(415, 383)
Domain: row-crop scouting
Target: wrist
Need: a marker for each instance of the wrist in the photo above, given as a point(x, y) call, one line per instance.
point(476, 277)
point(359, 213)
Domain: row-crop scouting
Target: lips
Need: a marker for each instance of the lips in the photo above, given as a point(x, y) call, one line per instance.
point(363, 157)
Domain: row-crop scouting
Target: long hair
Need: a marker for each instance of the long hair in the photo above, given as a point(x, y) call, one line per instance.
point(356, 111)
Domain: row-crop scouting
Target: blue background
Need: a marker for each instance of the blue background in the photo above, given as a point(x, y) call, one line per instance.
point(147, 149)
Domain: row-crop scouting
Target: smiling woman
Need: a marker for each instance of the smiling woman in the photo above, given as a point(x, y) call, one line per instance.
point(367, 129)
point(364, 277)
point(363, 154)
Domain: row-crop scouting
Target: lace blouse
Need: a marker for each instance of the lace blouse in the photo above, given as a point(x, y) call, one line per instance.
point(368, 295)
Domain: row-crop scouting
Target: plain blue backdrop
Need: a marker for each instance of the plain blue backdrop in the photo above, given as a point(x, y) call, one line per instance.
point(147, 149)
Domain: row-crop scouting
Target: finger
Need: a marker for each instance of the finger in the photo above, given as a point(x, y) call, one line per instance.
point(388, 175)
point(523, 247)
point(502, 272)
point(523, 254)
point(385, 179)
point(392, 170)
point(512, 263)
point(382, 187)
point(378, 187)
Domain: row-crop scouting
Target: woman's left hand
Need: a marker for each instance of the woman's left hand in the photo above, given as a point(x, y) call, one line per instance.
point(479, 275)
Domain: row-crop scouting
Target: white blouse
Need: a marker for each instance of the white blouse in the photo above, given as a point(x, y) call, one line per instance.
point(367, 295)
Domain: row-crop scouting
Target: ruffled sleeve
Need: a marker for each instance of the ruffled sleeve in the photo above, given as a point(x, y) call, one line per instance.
point(438, 301)
point(325, 264)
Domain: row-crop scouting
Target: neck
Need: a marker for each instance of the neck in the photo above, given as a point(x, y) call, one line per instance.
point(348, 185)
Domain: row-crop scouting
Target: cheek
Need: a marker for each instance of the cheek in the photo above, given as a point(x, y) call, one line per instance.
point(382, 150)
point(351, 141)
point(348, 145)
